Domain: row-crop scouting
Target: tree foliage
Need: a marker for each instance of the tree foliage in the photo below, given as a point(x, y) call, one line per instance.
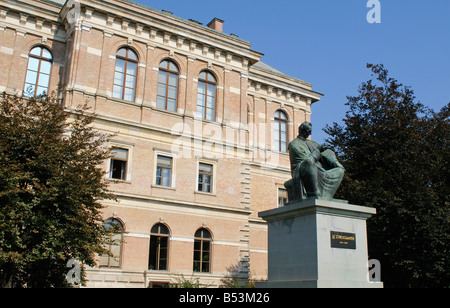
point(50, 188)
point(396, 154)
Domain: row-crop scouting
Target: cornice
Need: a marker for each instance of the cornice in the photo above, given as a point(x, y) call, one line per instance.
point(151, 21)
point(277, 88)
point(43, 9)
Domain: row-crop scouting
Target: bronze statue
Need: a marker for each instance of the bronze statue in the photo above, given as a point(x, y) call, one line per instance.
point(316, 172)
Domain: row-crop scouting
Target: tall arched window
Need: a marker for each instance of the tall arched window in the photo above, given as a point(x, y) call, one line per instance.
point(280, 131)
point(38, 72)
point(206, 96)
point(125, 74)
point(167, 86)
point(114, 244)
point(202, 251)
point(159, 248)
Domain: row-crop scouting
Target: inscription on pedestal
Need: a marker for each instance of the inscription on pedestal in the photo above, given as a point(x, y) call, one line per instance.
point(343, 240)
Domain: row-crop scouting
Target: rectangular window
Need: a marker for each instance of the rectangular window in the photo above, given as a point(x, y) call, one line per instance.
point(118, 165)
point(282, 197)
point(205, 177)
point(158, 253)
point(164, 171)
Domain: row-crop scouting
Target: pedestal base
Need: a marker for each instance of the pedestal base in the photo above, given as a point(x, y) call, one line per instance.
point(318, 244)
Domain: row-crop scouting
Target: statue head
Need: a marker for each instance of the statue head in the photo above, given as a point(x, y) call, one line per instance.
point(305, 130)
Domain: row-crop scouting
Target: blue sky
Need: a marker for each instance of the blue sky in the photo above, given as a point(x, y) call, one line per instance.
point(328, 44)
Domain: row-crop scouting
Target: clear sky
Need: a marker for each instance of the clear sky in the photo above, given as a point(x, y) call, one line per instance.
point(328, 43)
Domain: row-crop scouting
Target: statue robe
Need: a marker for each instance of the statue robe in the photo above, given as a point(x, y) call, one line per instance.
point(314, 174)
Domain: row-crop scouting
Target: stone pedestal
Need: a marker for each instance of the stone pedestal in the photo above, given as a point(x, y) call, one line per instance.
point(318, 244)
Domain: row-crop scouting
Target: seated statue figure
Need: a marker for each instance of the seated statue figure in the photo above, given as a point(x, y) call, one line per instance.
point(316, 172)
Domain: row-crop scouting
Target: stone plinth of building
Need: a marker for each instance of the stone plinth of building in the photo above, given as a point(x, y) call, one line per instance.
point(318, 244)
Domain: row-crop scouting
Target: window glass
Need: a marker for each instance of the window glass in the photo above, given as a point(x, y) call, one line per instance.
point(173, 80)
point(164, 171)
point(125, 74)
point(202, 251)
point(120, 65)
point(118, 164)
point(129, 94)
point(173, 67)
point(167, 86)
point(159, 248)
point(206, 96)
point(33, 64)
point(31, 77)
point(205, 175)
point(114, 245)
point(210, 114)
point(131, 69)
point(46, 54)
point(162, 77)
point(36, 51)
point(122, 52)
point(45, 67)
point(37, 79)
point(171, 105)
point(282, 197)
point(280, 132)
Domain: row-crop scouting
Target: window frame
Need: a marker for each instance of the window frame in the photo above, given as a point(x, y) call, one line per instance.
point(40, 58)
point(173, 177)
point(124, 172)
point(108, 257)
point(205, 101)
point(213, 175)
point(163, 168)
point(167, 85)
point(127, 60)
point(282, 196)
point(115, 144)
point(278, 146)
point(158, 235)
point(201, 240)
point(205, 174)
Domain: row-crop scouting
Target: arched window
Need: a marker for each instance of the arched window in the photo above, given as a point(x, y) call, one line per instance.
point(159, 248)
point(167, 86)
point(280, 131)
point(125, 74)
point(202, 251)
point(114, 244)
point(38, 72)
point(206, 96)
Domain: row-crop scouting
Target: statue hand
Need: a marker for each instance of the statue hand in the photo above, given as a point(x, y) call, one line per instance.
point(323, 147)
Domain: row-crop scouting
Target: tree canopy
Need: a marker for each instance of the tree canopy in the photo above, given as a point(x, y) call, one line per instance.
point(396, 155)
point(51, 185)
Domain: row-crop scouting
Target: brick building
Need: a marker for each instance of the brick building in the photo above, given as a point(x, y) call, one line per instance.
point(202, 128)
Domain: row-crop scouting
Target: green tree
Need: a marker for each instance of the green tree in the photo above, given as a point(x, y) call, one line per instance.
point(396, 155)
point(50, 188)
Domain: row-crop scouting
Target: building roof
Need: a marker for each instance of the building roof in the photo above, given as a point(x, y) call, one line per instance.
point(191, 22)
point(269, 69)
point(58, 2)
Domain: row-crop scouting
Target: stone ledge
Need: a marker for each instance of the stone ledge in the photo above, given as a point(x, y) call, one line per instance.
point(312, 206)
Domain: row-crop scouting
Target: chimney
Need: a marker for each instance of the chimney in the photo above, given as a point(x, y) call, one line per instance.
point(216, 24)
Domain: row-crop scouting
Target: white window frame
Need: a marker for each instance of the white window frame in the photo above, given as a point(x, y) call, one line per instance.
point(213, 163)
point(280, 186)
point(173, 177)
point(125, 146)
